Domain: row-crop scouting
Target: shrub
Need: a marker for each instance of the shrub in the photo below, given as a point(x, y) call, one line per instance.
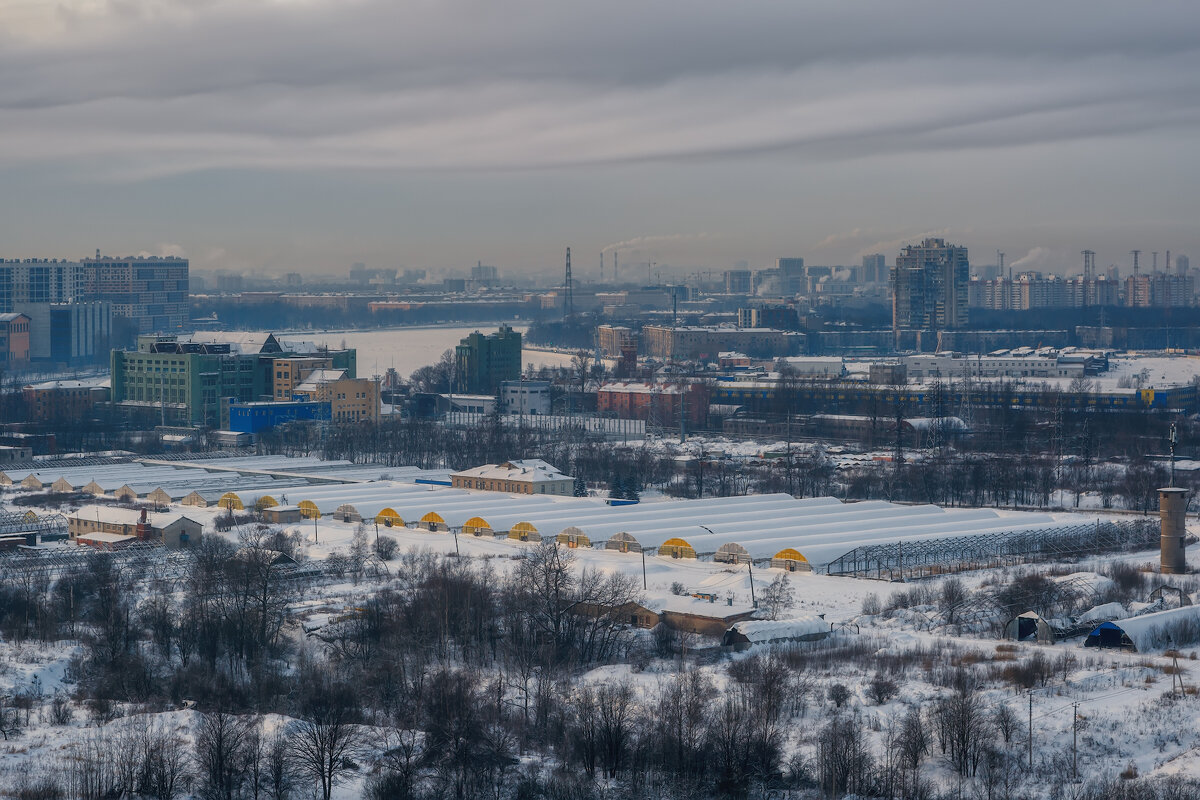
point(385, 548)
point(882, 688)
point(871, 605)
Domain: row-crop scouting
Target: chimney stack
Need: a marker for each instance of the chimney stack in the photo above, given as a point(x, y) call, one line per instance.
point(1172, 514)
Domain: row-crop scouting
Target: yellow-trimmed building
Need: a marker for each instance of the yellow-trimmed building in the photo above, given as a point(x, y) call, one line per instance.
point(530, 476)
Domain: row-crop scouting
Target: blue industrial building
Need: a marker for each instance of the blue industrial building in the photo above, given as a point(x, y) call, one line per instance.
point(256, 417)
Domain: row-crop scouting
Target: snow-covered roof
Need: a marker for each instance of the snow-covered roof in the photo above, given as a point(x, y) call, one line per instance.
point(1103, 613)
point(319, 376)
point(530, 469)
point(1148, 632)
point(76, 383)
point(639, 387)
point(111, 538)
point(758, 631)
point(249, 342)
point(114, 515)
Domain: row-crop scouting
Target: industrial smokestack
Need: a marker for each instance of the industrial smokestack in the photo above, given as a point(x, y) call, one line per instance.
point(1172, 513)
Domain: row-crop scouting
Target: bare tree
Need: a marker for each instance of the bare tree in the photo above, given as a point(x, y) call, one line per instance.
point(10, 719)
point(843, 760)
point(614, 706)
point(778, 597)
point(327, 734)
point(223, 754)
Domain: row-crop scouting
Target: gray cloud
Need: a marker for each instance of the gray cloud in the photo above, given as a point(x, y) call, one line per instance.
point(177, 86)
point(138, 90)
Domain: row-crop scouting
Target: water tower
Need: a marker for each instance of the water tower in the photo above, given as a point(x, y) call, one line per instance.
point(1172, 513)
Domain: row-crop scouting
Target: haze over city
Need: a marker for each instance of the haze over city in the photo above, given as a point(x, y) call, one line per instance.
point(305, 136)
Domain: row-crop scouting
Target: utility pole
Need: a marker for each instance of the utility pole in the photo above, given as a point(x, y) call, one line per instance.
point(753, 601)
point(1031, 729)
point(1075, 744)
point(682, 413)
point(644, 586)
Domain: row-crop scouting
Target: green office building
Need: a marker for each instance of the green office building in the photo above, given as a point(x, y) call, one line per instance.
point(482, 363)
point(186, 379)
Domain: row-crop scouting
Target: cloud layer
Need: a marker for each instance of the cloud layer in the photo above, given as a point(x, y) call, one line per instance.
point(146, 88)
point(131, 90)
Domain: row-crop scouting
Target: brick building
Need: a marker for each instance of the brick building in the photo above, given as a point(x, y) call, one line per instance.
point(14, 339)
point(66, 399)
point(656, 403)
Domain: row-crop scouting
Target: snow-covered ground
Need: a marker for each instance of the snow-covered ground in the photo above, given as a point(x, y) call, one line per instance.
point(1128, 714)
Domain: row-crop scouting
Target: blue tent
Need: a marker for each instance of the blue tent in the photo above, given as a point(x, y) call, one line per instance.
point(1107, 634)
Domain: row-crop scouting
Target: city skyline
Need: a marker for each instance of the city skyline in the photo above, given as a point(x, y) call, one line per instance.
point(307, 136)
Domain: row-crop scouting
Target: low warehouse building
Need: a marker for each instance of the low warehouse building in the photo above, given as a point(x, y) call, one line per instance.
point(129, 524)
point(808, 628)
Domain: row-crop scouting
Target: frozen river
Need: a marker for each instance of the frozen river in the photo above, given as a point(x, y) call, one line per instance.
point(408, 348)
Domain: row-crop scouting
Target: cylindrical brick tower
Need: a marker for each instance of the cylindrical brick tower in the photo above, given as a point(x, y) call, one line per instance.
point(1172, 505)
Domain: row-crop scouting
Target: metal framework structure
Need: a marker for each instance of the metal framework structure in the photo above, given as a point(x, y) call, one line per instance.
point(46, 526)
point(926, 557)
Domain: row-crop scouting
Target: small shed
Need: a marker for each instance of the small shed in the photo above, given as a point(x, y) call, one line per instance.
point(807, 628)
point(159, 497)
point(281, 515)
point(1029, 627)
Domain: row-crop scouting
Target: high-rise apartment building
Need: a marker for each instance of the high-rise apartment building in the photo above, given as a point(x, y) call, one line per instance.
point(1159, 290)
point(929, 287)
point(792, 277)
point(483, 362)
point(739, 281)
point(874, 268)
point(39, 280)
point(66, 325)
point(152, 292)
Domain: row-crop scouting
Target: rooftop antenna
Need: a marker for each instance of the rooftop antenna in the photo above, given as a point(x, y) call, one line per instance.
point(569, 304)
point(1167, 263)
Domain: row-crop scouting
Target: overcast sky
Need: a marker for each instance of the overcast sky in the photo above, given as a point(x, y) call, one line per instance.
point(280, 135)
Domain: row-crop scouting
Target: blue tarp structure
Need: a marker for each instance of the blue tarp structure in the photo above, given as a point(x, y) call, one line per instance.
point(1107, 634)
